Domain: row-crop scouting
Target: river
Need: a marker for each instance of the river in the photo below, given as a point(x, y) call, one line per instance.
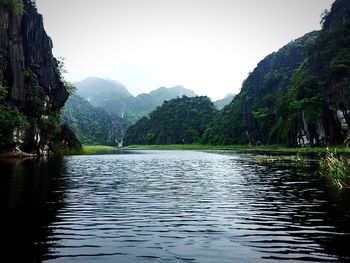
point(169, 206)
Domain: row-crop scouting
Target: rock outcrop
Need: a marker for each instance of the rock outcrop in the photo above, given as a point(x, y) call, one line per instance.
point(24, 47)
point(30, 74)
point(297, 96)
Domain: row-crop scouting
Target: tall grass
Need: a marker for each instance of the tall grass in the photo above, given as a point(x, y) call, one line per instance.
point(263, 148)
point(98, 149)
point(336, 168)
point(296, 161)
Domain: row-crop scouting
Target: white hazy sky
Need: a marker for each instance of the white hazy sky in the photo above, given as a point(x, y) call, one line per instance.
point(209, 46)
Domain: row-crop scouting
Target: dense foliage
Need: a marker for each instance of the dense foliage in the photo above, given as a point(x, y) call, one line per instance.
point(93, 126)
point(297, 95)
point(251, 115)
point(11, 121)
point(178, 121)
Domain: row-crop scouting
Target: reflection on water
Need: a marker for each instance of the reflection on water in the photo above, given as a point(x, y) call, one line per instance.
point(169, 206)
point(31, 193)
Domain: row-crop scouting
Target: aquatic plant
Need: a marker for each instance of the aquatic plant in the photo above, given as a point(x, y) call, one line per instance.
point(297, 160)
point(336, 168)
point(97, 149)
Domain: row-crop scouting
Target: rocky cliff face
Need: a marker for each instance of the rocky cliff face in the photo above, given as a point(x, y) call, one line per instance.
point(299, 95)
point(30, 74)
point(339, 15)
point(271, 77)
point(324, 84)
point(92, 125)
point(24, 47)
point(314, 106)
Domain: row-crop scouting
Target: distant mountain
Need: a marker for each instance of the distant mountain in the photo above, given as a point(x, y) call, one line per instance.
point(108, 94)
point(90, 124)
point(158, 96)
point(147, 102)
point(225, 101)
point(117, 101)
point(96, 89)
point(102, 109)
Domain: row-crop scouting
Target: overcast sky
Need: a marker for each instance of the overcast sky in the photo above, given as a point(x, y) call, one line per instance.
point(209, 46)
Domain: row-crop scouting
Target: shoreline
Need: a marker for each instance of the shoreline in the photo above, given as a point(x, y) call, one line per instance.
point(264, 149)
point(274, 149)
point(16, 154)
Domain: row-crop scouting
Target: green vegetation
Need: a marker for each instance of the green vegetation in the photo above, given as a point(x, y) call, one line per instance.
point(297, 160)
point(16, 6)
point(100, 110)
point(11, 121)
point(249, 148)
point(178, 121)
point(336, 168)
point(173, 147)
point(114, 98)
point(292, 97)
point(31, 101)
point(98, 149)
point(59, 149)
point(69, 87)
point(257, 115)
point(92, 126)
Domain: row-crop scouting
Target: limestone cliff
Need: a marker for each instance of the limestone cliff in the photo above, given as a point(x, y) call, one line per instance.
point(29, 76)
point(299, 95)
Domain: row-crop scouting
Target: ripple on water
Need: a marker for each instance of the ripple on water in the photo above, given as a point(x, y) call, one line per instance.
point(188, 206)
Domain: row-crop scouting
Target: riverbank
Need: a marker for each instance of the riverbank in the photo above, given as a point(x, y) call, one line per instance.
point(98, 149)
point(261, 148)
point(16, 154)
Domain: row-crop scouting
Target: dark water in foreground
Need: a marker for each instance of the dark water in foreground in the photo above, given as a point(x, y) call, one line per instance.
point(168, 206)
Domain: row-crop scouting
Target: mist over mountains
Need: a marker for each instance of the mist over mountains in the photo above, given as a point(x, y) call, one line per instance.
point(225, 101)
point(101, 109)
point(118, 101)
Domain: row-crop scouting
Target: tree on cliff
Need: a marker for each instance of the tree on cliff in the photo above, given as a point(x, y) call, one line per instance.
point(32, 91)
point(298, 95)
point(11, 120)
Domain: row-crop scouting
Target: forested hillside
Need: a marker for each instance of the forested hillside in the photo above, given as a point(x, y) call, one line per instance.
point(92, 126)
point(101, 109)
point(299, 95)
point(296, 96)
point(178, 121)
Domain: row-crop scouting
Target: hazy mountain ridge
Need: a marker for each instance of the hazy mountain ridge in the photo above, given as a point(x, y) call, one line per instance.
point(117, 100)
point(225, 101)
point(93, 88)
point(102, 109)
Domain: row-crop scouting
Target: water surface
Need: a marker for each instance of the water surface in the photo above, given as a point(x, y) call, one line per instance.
point(169, 206)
